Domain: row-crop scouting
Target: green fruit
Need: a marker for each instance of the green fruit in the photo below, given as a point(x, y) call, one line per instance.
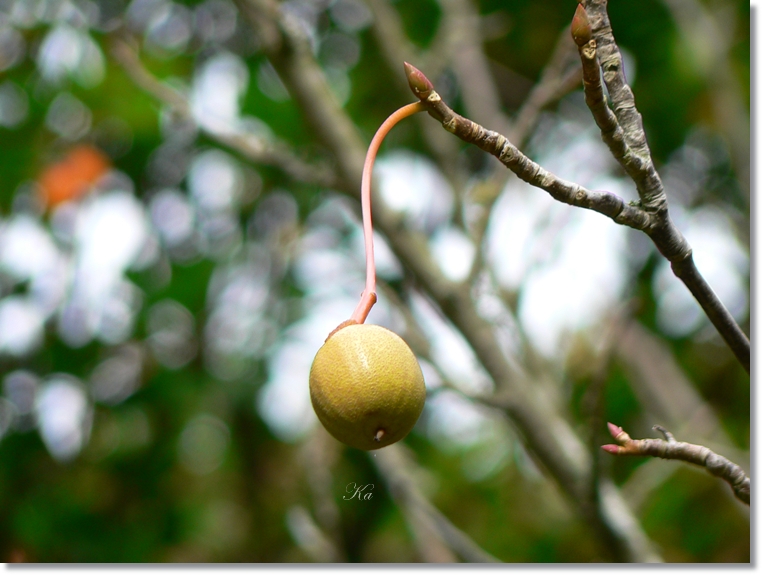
point(366, 386)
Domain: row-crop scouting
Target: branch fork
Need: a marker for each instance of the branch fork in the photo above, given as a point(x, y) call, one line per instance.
point(621, 129)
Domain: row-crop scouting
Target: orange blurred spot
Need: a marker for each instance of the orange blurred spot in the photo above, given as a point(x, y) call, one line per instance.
point(17, 556)
point(74, 175)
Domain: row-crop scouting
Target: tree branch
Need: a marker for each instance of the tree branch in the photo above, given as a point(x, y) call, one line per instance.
point(558, 78)
point(251, 147)
point(394, 466)
point(653, 220)
point(669, 448)
point(639, 165)
point(499, 146)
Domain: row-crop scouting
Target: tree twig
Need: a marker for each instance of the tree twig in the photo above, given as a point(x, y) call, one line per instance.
point(499, 146)
point(669, 448)
point(395, 467)
point(255, 149)
point(651, 217)
point(396, 47)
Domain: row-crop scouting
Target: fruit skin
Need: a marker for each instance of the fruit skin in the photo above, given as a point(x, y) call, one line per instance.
point(364, 379)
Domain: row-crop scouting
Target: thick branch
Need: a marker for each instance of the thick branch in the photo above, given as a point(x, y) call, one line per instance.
point(611, 131)
point(669, 448)
point(620, 92)
point(624, 134)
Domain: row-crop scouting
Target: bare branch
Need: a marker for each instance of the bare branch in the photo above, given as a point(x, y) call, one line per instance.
point(248, 145)
point(611, 132)
point(395, 467)
point(558, 78)
point(718, 314)
point(639, 166)
point(499, 146)
point(669, 448)
point(654, 221)
point(648, 363)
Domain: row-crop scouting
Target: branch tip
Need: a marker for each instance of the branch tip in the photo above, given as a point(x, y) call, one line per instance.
point(580, 26)
point(419, 83)
point(615, 430)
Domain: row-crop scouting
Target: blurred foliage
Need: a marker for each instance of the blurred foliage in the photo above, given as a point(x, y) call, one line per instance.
point(136, 491)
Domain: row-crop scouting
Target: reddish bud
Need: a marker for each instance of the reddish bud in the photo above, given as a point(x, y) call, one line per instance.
point(419, 84)
point(580, 26)
point(610, 448)
point(614, 430)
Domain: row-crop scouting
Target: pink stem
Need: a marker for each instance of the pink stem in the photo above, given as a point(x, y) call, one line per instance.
point(368, 297)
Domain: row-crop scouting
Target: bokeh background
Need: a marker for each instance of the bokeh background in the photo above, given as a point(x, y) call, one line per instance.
point(165, 284)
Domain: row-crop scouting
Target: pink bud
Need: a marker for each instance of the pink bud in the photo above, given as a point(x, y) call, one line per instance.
point(419, 84)
point(614, 430)
point(580, 27)
point(610, 448)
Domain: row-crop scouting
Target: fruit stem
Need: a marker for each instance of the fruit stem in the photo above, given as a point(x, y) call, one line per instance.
point(368, 297)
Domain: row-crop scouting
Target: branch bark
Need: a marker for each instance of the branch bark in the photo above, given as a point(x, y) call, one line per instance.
point(669, 448)
point(548, 435)
point(651, 216)
point(626, 139)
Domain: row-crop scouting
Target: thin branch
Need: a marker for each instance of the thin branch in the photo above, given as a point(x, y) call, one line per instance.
point(669, 448)
point(499, 146)
point(248, 145)
point(558, 78)
point(654, 221)
point(648, 362)
point(395, 467)
point(395, 47)
point(717, 313)
point(640, 168)
point(478, 90)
